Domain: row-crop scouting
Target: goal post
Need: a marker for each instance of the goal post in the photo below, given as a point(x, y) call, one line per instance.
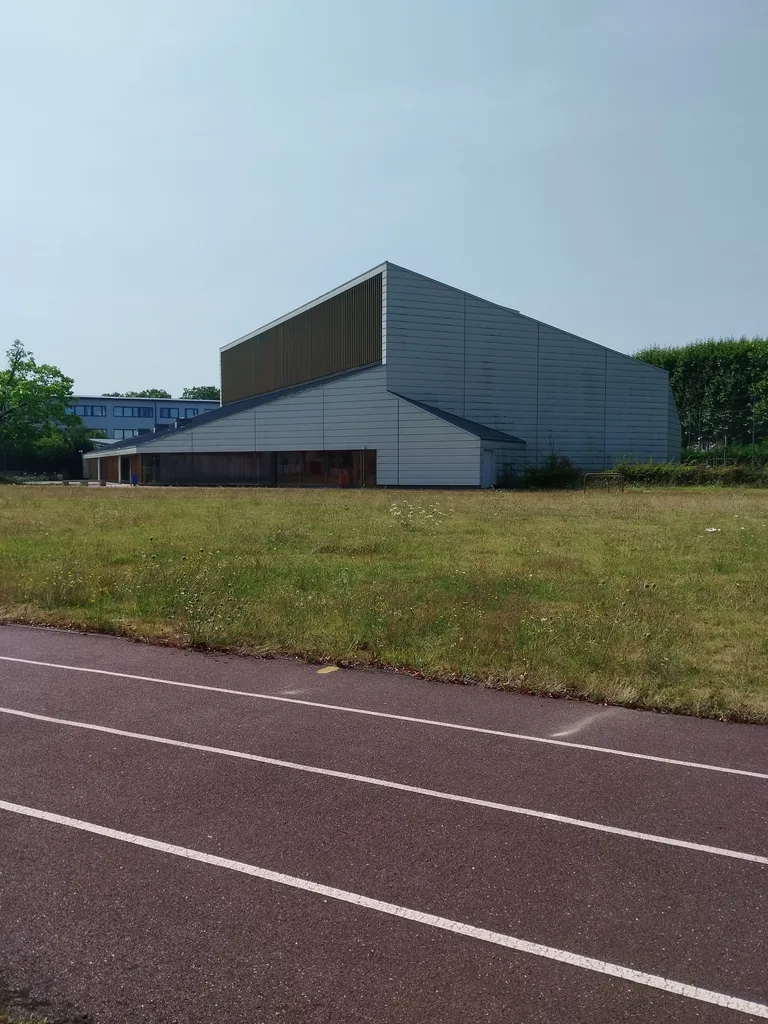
point(604, 482)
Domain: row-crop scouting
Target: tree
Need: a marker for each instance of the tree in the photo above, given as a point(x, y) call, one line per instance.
point(57, 446)
point(206, 391)
point(720, 386)
point(147, 393)
point(33, 401)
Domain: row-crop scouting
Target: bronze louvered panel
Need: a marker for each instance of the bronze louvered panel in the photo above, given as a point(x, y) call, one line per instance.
point(342, 333)
point(237, 366)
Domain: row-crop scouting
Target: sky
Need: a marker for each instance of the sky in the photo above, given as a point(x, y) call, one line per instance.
point(176, 173)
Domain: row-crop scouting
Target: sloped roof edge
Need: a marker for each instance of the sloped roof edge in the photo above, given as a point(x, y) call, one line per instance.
point(231, 408)
point(471, 426)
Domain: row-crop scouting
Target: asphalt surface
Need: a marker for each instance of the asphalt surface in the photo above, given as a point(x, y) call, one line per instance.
point(130, 933)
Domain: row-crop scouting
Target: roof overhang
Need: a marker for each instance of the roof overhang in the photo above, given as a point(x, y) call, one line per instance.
point(106, 453)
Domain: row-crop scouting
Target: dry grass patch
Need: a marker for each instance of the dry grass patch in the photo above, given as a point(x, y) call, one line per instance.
point(616, 597)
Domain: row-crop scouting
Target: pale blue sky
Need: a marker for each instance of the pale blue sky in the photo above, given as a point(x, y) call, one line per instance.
point(175, 173)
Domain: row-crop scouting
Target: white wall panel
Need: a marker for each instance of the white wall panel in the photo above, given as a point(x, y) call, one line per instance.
point(433, 452)
point(360, 413)
point(232, 433)
point(425, 340)
point(413, 447)
point(289, 424)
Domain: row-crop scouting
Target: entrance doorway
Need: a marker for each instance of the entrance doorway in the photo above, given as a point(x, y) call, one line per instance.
point(488, 468)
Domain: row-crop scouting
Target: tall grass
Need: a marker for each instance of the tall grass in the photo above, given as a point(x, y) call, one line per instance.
point(616, 597)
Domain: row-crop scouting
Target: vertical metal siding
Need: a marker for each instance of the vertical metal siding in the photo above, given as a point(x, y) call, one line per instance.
point(342, 333)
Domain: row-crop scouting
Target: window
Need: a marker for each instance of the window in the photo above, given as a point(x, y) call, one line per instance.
point(89, 410)
point(169, 412)
point(191, 412)
point(120, 435)
point(136, 411)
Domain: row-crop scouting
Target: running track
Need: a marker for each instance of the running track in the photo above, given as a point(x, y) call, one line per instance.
point(188, 837)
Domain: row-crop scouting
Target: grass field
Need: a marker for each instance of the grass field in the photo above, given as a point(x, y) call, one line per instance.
point(17, 1008)
point(618, 597)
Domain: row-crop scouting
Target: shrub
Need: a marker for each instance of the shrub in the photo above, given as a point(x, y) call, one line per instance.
point(555, 473)
point(507, 477)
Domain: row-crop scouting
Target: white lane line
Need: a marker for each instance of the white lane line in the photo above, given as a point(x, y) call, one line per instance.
point(446, 924)
point(397, 718)
point(387, 784)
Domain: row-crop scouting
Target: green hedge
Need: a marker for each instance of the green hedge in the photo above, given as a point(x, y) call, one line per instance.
point(729, 455)
point(720, 386)
point(671, 474)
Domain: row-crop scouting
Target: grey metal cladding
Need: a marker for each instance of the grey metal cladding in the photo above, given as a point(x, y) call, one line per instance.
point(342, 333)
point(414, 446)
point(474, 359)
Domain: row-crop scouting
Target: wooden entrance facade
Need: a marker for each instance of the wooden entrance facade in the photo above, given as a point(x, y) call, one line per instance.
point(352, 468)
